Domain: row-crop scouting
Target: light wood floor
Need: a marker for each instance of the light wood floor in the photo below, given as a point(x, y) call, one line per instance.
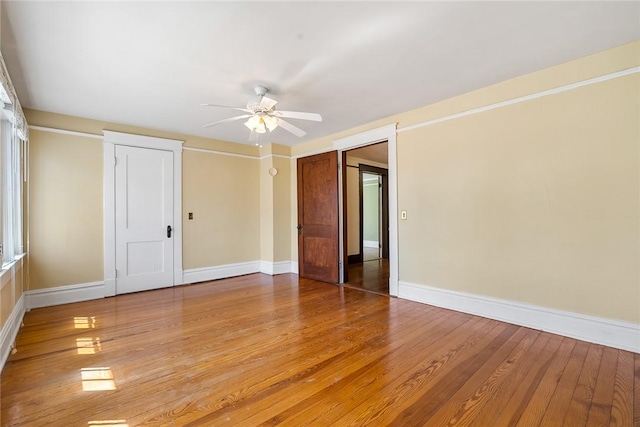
point(271, 350)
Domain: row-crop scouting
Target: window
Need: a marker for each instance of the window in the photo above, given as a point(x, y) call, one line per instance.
point(14, 134)
point(11, 184)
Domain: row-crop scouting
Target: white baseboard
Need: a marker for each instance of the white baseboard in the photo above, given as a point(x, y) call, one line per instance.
point(64, 294)
point(10, 330)
point(612, 333)
point(95, 290)
point(371, 244)
point(195, 275)
point(280, 267)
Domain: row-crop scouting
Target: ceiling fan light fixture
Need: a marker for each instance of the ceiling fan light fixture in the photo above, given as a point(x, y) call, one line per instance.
point(260, 124)
point(271, 122)
point(260, 128)
point(252, 122)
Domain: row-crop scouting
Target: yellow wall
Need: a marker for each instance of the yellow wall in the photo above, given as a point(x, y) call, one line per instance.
point(224, 196)
point(66, 221)
point(266, 207)
point(7, 302)
point(282, 227)
point(275, 202)
point(66, 181)
point(536, 202)
point(11, 289)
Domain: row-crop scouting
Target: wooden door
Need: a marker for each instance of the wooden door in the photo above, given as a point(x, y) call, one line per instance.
point(144, 215)
point(318, 245)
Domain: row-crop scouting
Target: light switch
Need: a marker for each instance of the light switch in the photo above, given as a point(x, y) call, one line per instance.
point(403, 215)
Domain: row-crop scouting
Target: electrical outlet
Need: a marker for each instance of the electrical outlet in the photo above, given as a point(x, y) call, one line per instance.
point(190, 215)
point(403, 215)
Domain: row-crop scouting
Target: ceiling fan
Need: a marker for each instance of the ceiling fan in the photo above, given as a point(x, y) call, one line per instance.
point(262, 116)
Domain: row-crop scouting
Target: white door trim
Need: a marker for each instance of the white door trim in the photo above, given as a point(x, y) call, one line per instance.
point(381, 134)
point(111, 139)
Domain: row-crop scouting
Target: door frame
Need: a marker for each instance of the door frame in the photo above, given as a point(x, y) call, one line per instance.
point(374, 136)
point(110, 140)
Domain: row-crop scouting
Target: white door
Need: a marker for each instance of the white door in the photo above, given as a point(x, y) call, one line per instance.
point(144, 219)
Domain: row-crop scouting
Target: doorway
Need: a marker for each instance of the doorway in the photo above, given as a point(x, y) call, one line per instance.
point(366, 204)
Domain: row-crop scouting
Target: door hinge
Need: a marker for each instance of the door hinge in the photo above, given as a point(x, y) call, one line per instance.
point(115, 161)
point(115, 273)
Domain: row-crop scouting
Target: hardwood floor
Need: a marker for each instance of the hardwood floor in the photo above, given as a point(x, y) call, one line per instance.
point(262, 350)
point(370, 276)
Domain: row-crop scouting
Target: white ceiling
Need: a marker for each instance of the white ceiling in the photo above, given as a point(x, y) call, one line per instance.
point(152, 64)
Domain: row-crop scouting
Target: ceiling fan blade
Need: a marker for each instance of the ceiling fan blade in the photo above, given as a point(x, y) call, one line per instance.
point(230, 119)
point(226, 106)
point(291, 128)
point(299, 115)
point(267, 103)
